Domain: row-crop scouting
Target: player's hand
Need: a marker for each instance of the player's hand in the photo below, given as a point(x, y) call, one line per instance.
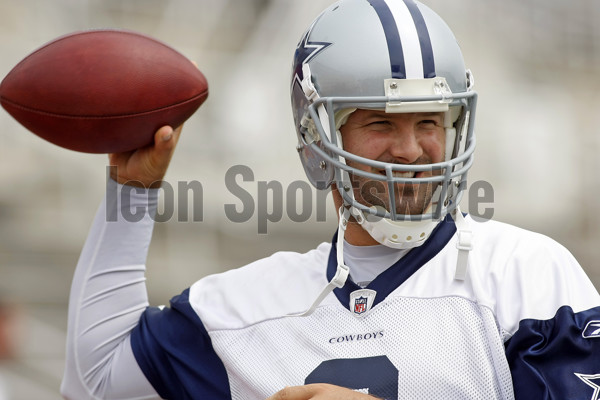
point(319, 391)
point(146, 166)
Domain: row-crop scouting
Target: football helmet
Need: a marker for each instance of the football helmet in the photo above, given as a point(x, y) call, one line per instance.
point(392, 55)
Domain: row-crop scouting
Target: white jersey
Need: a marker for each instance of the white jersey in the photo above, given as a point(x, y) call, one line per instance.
point(525, 324)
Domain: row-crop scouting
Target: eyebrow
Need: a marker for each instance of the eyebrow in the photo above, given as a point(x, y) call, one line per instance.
point(379, 113)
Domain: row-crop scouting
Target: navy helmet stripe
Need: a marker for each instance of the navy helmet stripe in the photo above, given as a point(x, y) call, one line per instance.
point(424, 39)
point(393, 38)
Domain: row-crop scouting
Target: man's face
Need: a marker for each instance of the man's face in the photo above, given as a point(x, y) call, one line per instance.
point(409, 139)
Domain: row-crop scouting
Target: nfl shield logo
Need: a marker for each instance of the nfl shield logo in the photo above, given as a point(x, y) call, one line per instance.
point(360, 305)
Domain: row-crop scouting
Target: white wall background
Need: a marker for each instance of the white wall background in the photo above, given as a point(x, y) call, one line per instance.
point(534, 61)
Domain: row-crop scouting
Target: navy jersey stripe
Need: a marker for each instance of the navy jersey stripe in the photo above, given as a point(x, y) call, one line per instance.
point(393, 38)
point(424, 39)
point(175, 353)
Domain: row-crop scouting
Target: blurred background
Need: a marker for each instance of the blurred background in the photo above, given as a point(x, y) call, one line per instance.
point(535, 63)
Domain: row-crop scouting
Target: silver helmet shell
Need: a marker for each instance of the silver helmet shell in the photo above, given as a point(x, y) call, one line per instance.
point(394, 55)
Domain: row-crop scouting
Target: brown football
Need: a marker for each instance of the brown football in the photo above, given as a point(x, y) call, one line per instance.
point(103, 91)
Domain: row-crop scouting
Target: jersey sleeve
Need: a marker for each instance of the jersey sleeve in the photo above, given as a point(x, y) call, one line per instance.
point(558, 358)
point(554, 345)
point(175, 352)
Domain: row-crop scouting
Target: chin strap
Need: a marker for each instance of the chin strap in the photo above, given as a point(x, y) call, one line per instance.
point(464, 244)
point(342, 271)
point(395, 234)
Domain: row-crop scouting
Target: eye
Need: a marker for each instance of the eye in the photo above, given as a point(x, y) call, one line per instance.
point(429, 123)
point(379, 123)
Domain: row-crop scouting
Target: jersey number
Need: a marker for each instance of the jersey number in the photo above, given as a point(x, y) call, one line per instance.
point(377, 375)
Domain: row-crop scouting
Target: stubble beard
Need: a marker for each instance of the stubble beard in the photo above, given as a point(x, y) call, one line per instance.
point(410, 199)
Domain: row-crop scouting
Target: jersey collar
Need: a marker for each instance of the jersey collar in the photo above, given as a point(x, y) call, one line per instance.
point(394, 276)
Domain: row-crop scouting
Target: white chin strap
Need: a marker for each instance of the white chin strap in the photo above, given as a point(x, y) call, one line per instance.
point(342, 270)
point(395, 234)
point(464, 244)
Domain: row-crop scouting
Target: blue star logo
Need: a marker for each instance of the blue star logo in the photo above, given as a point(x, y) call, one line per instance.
point(592, 381)
point(305, 52)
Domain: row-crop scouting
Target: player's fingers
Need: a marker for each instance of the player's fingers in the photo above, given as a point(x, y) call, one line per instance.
point(166, 139)
point(294, 393)
point(163, 138)
point(159, 156)
point(318, 391)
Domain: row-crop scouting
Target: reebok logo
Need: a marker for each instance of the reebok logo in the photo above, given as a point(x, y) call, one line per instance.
point(592, 330)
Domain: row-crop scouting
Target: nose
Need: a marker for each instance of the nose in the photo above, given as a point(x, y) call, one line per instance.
point(404, 145)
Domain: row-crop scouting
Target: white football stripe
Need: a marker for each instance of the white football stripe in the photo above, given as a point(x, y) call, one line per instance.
point(413, 59)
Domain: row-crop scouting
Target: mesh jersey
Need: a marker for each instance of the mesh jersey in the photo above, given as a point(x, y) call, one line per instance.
point(517, 327)
point(405, 348)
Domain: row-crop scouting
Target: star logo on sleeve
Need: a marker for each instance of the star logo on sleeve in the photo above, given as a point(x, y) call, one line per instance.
point(592, 381)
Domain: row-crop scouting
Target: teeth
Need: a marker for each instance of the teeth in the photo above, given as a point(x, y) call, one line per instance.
point(409, 174)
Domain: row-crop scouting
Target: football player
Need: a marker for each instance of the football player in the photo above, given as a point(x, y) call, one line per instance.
point(412, 299)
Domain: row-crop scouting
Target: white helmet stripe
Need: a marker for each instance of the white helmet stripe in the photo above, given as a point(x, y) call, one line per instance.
point(410, 39)
point(409, 45)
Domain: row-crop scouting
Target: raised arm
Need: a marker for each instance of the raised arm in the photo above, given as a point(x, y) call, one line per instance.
point(108, 292)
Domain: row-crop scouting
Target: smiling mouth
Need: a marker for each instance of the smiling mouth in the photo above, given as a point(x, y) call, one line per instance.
point(400, 174)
